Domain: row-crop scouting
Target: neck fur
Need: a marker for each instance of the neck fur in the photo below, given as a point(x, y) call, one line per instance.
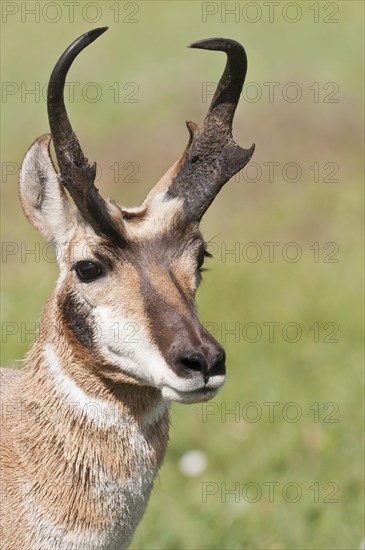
point(91, 443)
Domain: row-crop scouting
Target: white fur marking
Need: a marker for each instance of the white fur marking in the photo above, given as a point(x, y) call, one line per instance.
point(99, 413)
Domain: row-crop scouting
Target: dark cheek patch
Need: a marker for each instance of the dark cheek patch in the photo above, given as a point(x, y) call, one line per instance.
point(77, 317)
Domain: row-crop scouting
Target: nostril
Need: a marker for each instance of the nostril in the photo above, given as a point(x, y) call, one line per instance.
point(199, 363)
point(194, 362)
point(218, 364)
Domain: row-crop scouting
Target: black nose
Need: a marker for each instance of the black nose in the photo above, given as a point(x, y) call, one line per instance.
point(218, 364)
point(199, 363)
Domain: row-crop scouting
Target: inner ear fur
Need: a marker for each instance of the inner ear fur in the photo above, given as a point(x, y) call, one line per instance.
point(42, 196)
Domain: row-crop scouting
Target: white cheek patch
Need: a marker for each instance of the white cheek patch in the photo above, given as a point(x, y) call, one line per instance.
point(135, 354)
point(127, 345)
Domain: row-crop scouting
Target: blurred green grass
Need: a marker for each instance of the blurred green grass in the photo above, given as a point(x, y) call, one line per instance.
point(151, 133)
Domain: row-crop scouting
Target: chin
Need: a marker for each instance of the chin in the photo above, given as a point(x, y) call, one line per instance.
point(187, 397)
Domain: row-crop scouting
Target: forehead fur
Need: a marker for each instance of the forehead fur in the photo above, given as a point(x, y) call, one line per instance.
point(160, 229)
point(160, 216)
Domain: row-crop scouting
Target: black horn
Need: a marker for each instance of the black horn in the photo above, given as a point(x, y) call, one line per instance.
point(76, 174)
point(213, 157)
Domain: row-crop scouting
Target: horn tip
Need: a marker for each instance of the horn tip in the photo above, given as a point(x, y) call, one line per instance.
point(220, 44)
point(95, 33)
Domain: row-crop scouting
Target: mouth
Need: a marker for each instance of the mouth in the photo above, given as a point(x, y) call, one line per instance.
point(182, 390)
point(195, 396)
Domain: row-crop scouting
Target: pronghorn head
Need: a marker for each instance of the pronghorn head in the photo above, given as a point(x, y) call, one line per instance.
point(128, 277)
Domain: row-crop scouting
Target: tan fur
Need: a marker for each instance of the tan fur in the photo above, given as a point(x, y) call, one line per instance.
point(84, 425)
point(54, 456)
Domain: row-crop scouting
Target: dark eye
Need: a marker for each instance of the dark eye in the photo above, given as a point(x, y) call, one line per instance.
point(203, 253)
point(87, 271)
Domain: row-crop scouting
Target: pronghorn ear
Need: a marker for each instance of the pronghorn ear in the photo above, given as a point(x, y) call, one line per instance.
point(164, 183)
point(42, 196)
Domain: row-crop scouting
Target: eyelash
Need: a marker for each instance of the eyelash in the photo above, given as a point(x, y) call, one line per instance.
point(206, 254)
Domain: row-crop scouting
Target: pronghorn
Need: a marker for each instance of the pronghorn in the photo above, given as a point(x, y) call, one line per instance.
point(85, 423)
